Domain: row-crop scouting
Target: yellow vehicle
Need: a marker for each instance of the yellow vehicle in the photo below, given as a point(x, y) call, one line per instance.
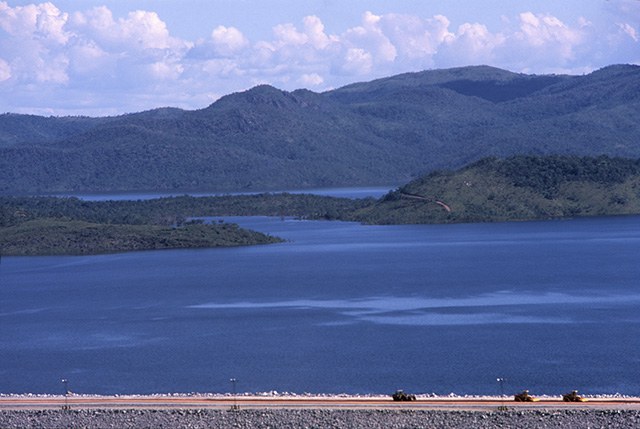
point(573, 397)
point(401, 396)
point(524, 396)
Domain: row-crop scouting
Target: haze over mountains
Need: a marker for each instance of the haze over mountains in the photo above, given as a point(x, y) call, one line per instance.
point(387, 131)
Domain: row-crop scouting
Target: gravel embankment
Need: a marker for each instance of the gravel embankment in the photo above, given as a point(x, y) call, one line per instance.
point(308, 418)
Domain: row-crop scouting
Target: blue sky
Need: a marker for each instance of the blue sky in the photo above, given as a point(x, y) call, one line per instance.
point(103, 57)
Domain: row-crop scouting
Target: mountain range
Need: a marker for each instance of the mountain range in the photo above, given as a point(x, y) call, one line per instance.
point(387, 131)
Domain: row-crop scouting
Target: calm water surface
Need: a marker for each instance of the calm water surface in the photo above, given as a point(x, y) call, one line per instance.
point(340, 307)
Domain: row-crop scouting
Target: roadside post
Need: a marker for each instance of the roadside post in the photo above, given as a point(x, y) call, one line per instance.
point(501, 381)
point(235, 399)
point(65, 383)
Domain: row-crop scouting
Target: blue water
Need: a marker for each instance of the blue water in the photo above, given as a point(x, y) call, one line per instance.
point(340, 307)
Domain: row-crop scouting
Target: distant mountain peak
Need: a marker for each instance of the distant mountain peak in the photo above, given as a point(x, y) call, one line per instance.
point(267, 96)
point(384, 131)
point(260, 95)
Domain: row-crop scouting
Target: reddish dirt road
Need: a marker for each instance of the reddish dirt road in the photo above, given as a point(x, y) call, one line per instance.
point(258, 402)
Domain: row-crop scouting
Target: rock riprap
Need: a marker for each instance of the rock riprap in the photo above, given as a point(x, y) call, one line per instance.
point(310, 418)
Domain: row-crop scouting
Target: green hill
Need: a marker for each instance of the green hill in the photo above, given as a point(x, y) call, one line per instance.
point(73, 237)
point(492, 189)
point(386, 131)
point(57, 226)
point(517, 188)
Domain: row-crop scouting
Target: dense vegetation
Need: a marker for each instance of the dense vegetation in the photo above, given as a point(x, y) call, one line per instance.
point(174, 210)
point(516, 188)
point(386, 131)
point(49, 225)
point(73, 237)
point(492, 189)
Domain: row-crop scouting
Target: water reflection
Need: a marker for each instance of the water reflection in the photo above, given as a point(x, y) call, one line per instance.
point(494, 308)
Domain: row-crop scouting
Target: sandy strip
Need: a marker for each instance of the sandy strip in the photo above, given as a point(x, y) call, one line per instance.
point(36, 402)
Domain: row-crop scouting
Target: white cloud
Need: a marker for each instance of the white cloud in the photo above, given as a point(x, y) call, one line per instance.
point(87, 58)
point(44, 22)
point(5, 70)
point(49, 57)
point(311, 79)
point(541, 42)
point(478, 37)
point(147, 29)
point(293, 56)
point(472, 43)
point(228, 40)
point(287, 34)
point(357, 61)
point(34, 42)
point(54, 71)
point(629, 30)
point(140, 30)
point(314, 29)
point(218, 67)
point(166, 70)
point(545, 31)
point(369, 37)
point(540, 30)
point(440, 29)
point(415, 37)
point(292, 47)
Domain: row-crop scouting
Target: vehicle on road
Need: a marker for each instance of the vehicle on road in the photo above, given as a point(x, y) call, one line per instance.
point(400, 395)
point(573, 397)
point(524, 396)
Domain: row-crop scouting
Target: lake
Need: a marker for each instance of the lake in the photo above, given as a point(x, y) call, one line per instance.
point(340, 307)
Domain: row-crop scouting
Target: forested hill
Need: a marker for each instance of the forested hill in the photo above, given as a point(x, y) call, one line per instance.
point(516, 188)
point(489, 190)
point(386, 131)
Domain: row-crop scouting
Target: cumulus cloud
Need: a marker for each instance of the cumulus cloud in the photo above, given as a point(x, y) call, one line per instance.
point(34, 42)
point(220, 68)
point(228, 40)
point(370, 38)
point(44, 22)
point(415, 37)
point(306, 48)
point(140, 30)
point(287, 34)
point(542, 30)
point(472, 43)
point(357, 61)
point(166, 70)
point(478, 42)
point(539, 43)
point(314, 30)
point(133, 62)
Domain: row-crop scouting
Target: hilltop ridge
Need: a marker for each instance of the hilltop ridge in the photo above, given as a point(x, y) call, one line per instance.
point(389, 130)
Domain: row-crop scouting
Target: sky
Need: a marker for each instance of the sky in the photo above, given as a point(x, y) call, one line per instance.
point(108, 57)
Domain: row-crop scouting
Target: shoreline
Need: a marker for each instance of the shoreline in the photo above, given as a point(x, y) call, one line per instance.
point(275, 394)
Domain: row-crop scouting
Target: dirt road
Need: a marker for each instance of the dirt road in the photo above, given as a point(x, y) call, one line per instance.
point(301, 402)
